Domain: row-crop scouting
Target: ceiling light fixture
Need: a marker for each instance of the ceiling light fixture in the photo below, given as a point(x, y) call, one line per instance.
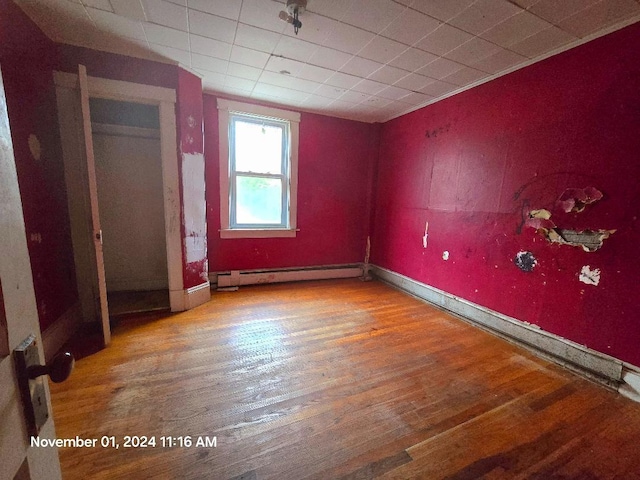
point(294, 9)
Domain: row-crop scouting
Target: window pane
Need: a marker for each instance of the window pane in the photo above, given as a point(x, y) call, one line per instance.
point(258, 200)
point(258, 147)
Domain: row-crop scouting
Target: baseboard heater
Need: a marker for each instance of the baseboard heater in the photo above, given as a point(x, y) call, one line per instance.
point(236, 278)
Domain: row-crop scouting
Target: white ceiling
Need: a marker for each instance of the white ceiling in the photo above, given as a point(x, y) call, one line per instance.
point(368, 60)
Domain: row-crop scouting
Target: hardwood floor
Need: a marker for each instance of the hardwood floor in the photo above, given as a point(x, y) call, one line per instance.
point(335, 380)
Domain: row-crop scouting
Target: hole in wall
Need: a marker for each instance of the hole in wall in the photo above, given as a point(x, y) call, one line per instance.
point(589, 240)
point(572, 200)
point(525, 261)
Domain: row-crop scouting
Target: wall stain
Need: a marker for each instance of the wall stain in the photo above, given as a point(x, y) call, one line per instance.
point(438, 131)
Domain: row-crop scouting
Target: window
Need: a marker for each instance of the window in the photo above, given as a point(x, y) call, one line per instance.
point(258, 170)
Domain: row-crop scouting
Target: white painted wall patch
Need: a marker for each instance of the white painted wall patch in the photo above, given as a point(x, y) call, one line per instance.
point(426, 235)
point(590, 277)
point(195, 214)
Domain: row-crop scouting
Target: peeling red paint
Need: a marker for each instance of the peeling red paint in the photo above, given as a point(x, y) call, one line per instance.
point(198, 272)
point(576, 199)
point(540, 221)
point(193, 202)
point(189, 110)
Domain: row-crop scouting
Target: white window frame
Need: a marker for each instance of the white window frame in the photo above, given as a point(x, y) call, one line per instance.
point(225, 109)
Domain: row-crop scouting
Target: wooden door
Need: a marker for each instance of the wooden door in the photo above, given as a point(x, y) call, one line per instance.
point(18, 319)
point(82, 192)
point(93, 199)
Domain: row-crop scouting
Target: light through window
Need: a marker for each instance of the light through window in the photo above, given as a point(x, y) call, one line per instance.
point(258, 170)
point(258, 173)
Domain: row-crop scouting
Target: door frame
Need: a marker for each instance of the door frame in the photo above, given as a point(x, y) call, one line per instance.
point(165, 100)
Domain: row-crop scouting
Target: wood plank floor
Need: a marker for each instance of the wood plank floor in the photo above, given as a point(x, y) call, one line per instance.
point(336, 380)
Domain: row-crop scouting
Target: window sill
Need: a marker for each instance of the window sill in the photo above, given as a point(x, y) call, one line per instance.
point(258, 233)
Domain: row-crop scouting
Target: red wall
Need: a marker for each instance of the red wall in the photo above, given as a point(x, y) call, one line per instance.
point(117, 67)
point(27, 58)
point(191, 144)
point(474, 164)
point(335, 158)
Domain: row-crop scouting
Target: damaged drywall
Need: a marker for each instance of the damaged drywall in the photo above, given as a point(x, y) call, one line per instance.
point(576, 199)
point(525, 261)
point(539, 219)
point(572, 200)
point(589, 240)
point(590, 277)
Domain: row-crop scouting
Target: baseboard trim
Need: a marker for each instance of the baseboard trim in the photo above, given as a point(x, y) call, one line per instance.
point(630, 386)
point(176, 300)
point(181, 300)
point(60, 331)
point(236, 278)
point(197, 295)
point(602, 368)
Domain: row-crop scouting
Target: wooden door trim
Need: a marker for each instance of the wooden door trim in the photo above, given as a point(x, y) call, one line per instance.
point(165, 99)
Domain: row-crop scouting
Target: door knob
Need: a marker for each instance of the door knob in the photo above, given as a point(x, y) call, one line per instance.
point(32, 387)
point(58, 369)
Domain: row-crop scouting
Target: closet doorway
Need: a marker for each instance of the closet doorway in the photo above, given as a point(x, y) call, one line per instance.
point(121, 172)
point(126, 146)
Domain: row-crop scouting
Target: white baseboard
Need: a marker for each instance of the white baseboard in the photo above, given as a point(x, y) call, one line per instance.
point(181, 300)
point(630, 386)
point(237, 278)
point(197, 295)
point(176, 300)
point(60, 331)
point(595, 365)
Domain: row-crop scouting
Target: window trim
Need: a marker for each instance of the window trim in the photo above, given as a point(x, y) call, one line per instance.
point(225, 109)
